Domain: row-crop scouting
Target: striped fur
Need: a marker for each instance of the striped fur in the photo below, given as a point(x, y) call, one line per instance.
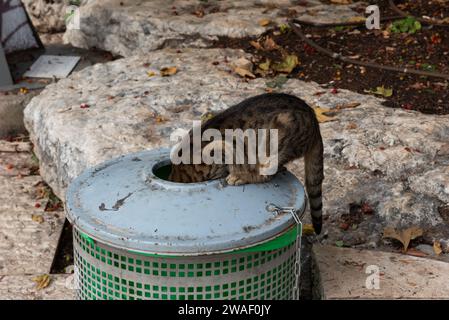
point(298, 136)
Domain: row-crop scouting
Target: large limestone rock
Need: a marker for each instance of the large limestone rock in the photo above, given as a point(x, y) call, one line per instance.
point(49, 15)
point(394, 160)
point(342, 274)
point(127, 27)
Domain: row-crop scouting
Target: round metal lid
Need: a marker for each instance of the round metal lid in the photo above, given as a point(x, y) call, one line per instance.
point(124, 204)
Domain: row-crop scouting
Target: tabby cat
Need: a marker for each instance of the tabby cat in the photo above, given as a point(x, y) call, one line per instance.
point(298, 136)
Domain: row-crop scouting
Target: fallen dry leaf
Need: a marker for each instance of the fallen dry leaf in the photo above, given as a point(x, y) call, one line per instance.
point(37, 218)
point(199, 13)
point(437, 247)
point(404, 236)
point(320, 115)
point(381, 91)
point(356, 19)
point(151, 73)
point(207, 116)
point(287, 65)
point(244, 73)
point(256, 45)
point(270, 45)
point(263, 69)
point(265, 66)
point(264, 22)
point(307, 229)
point(348, 106)
point(160, 119)
point(42, 281)
point(242, 63)
point(168, 71)
point(416, 253)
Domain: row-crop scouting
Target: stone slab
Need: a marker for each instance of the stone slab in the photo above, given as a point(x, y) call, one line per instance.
point(342, 273)
point(373, 154)
point(24, 288)
point(27, 246)
point(127, 27)
point(51, 66)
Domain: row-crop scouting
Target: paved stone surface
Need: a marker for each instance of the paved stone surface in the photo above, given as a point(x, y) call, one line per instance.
point(127, 27)
point(343, 274)
point(373, 154)
point(11, 111)
point(27, 245)
point(24, 288)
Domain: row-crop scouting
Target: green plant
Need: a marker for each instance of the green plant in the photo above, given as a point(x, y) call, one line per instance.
point(75, 2)
point(284, 28)
point(408, 25)
point(428, 67)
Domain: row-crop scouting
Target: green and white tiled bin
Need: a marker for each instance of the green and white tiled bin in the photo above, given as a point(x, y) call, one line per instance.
point(138, 236)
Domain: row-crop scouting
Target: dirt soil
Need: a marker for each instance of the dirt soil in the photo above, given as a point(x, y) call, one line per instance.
point(438, 9)
point(426, 49)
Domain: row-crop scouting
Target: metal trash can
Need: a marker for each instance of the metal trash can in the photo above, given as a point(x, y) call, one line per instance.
point(138, 236)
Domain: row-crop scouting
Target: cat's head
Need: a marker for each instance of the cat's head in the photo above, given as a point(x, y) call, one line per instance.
point(191, 173)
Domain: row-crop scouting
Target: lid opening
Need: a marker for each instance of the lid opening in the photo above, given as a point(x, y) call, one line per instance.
point(162, 169)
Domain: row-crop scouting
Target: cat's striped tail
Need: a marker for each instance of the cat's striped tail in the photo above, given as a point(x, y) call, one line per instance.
point(314, 168)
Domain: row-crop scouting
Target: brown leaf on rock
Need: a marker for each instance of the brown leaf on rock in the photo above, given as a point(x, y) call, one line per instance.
point(199, 13)
point(244, 73)
point(287, 65)
point(270, 45)
point(264, 22)
point(320, 115)
point(160, 119)
point(416, 253)
point(263, 69)
point(437, 247)
point(347, 106)
point(42, 281)
point(37, 218)
point(168, 71)
point(256, 45)
point(207, 116)
point(356, 19)
point(404, 236)
point(265, 66)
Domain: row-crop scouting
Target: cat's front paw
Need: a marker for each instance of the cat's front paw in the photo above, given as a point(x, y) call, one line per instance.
point(234, 180)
